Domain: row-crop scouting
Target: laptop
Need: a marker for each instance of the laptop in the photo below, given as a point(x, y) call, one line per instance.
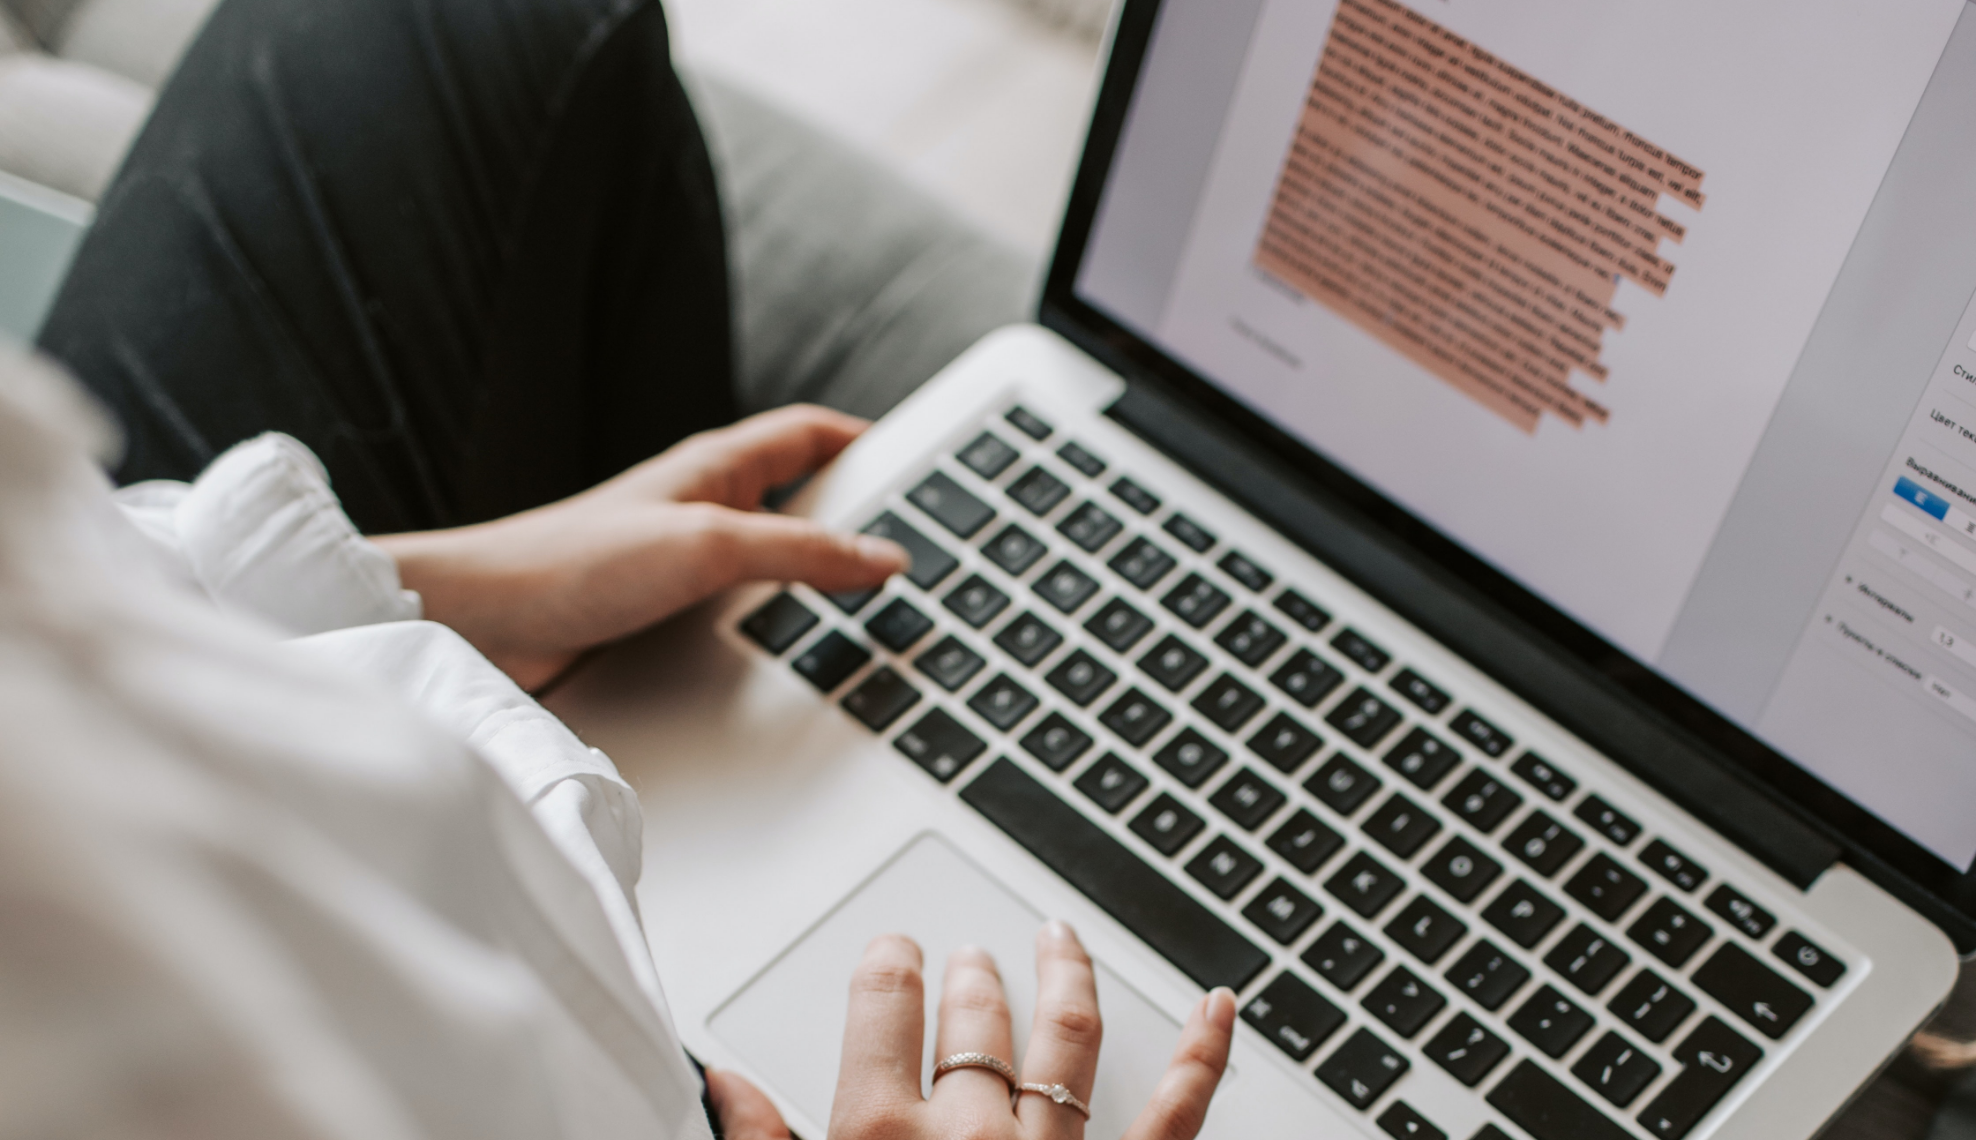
point(1477, 553)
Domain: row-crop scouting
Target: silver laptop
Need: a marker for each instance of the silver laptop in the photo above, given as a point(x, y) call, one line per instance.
point(1477, 554)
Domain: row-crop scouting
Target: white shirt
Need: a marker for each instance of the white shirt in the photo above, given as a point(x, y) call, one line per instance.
point(277, 859)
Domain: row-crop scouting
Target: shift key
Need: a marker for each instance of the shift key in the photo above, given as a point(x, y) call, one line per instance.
point(1713, 1059)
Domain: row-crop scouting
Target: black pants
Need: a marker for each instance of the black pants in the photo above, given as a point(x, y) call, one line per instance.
point(469, 251)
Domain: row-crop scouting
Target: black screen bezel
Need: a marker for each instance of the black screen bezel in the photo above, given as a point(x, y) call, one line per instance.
point(1878, 847)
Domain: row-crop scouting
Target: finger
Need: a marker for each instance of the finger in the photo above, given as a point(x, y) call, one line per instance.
point(885, 1029)
point(745, 1111)
point(731, 547)
point(1180, 1103)
point(735, 466)
point(1063, 1042)
point(974, 1018)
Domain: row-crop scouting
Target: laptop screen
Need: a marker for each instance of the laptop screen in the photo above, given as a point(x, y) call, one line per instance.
point(1662, 311)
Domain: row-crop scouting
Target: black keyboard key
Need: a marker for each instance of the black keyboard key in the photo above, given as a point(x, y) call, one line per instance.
point(949, 663)
point(1306, 678)
point(1404, 1002)
point(1090, 527)
point(1247, 799)
point(1550, 1021)
point(1081, 678)
point(1111, 783)
point(1424, 930)
point(1173, 663)
point(1305, 842)
point(1422, 759)
point(1135, 717)
point(1142, 564)
point(1487, 975)
point(1712, 1059)
point(1079, 457)
point(930, 564)
point(1341, 785)
point(1536, 771)
point(1026, 420)
point(1196, 600)
point(1362, 1069)
point(1250, 639)
point(1002, 703)
point(1361, 652)
point(1228, 703)
point(1166, 824)
point(1607, 820)
point(1065, 587)
point(1807, 958)
point(1426, 696)
point(1466, 1050)
point(1587, 959)
point(1118, 625)
point(1461, 869)
point(1606, 888)
point(1282, 911)
point(1284, 743)
point(1293, 1016)
point(1543, 843)
point(1056, 742)
point(1223, 867)
point(939, 744)
point(1189, 532)
point(898, 625)
point(779, 624)
point(1542, 1106)
point(830, 660)
point(1650, 1006)
point(1135, 496)
point(1190, 757)
point(1673, 866)
point(1670, 933)
point(1616, 1070)
point(988, 456)
point(1014, 549)
point(1754, 921)
point(1364, 718)
point(1482, 801)
point(851, 601)
point(1752, 990)
point(1364, 885)
point(1400, 826)
point(1038, 491)
point(880, 699)
point(1028, 639)
point(950, 505)
point(1302, 610)
point(1523, 914)
point(1402, 1122)
point(1491, 740)
point(976, 602)
point(1238, 566)
point(1343, 957)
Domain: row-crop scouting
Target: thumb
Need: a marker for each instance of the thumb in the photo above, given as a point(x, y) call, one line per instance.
point(745, 1112)
point(750, 546)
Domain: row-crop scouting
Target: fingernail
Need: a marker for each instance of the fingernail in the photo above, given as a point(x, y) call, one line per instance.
point(871, 548)
point(1060, 930)
point(1221, 1008)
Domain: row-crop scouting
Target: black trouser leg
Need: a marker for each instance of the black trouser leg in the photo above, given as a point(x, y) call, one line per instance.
point(469, 251)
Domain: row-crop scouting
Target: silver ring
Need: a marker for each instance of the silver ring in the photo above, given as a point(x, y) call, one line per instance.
point(987, 1061)
point(1058, 1093)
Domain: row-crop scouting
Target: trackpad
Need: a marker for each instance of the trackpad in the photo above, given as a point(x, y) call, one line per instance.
point(789, 1021)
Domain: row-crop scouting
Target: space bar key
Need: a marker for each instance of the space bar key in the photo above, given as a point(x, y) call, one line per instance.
point(1146, 902)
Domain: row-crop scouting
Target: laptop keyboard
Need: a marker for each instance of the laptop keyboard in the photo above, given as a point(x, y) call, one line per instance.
point(1273, 802)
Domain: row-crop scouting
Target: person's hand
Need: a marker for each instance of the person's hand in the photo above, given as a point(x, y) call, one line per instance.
point(878, 1082)
point(533, 590)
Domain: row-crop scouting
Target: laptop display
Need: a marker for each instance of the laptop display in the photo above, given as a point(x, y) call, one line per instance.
point(1662, 312)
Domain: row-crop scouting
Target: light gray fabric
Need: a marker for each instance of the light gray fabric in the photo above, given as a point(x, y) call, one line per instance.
point(66, 125)
point(851, 286)
point(140, 40)
point(43, 19)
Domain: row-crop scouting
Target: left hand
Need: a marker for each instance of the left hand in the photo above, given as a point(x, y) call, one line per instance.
point(534, 590)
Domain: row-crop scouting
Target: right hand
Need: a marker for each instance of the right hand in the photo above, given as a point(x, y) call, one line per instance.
point(878, 1084)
